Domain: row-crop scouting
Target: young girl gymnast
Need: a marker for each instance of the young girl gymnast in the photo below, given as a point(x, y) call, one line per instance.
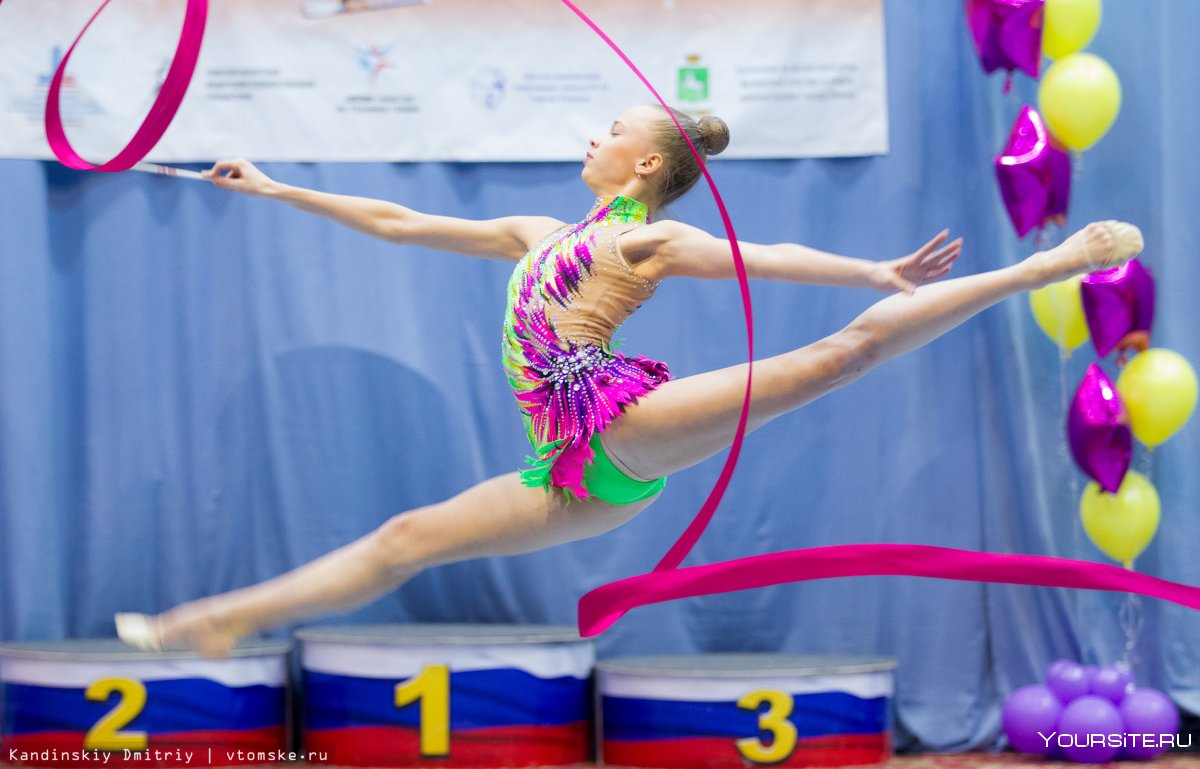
point(606, 429)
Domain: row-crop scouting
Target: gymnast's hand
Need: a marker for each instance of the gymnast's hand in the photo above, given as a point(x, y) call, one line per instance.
point(923, 265)
point(239, 176)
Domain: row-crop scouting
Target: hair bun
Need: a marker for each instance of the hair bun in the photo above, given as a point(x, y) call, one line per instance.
point(715, 134)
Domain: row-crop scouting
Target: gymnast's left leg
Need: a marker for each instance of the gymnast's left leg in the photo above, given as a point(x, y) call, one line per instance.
point(499, 516)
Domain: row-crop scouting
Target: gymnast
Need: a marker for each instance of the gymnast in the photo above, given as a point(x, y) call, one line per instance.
point(606, 429)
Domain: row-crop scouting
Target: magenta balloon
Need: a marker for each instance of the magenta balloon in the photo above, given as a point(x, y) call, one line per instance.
point(1116, 302)
point(1028, 711)
point(1098, 430)
point(1067, 682)
point(1148, 712)
point(1111, 684)
point(1087, 727)
point(1007, 34)
point(1034, 174)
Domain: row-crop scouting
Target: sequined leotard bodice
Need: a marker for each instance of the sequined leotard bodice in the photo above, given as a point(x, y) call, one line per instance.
point(566, 297)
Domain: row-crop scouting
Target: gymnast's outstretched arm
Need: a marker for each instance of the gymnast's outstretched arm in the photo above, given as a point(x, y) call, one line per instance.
point(671, 248)
point(506, 238)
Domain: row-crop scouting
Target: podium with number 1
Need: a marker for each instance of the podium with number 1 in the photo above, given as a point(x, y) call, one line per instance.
point(447, 695)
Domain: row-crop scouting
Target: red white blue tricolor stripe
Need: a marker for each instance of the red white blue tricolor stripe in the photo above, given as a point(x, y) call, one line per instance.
point(508, 705)
point(194, 712)
point(679, 722)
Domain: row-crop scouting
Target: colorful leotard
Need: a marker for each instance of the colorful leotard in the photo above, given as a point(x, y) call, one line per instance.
point(566, 297)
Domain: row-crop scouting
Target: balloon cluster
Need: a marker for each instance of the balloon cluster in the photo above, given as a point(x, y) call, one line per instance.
point(1152, 399)
point(1089, 715)
point(1079, 97)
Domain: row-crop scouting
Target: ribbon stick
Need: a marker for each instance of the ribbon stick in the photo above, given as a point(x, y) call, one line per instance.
point(154, 168)
point(602, 607)
point(161, 113)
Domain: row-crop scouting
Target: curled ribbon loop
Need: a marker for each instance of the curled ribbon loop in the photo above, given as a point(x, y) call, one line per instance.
point(602, 607)
point(161, 113)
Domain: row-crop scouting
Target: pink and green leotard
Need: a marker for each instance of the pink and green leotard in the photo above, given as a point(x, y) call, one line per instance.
point(566, 297)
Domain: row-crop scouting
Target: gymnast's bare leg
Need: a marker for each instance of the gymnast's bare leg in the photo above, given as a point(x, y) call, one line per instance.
point(679, 425)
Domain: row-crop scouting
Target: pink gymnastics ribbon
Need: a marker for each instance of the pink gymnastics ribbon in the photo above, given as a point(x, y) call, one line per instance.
point(166, 104)
point(602, 607)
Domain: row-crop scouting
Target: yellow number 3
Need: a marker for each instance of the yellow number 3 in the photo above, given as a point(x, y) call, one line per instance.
point(774, 720)
point(107, 734)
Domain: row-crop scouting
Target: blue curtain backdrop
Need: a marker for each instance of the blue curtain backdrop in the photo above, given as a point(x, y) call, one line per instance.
point(200, 390)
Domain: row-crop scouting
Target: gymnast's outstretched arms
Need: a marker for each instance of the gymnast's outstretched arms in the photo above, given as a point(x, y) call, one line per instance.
point(506, 238)
point(677, 249)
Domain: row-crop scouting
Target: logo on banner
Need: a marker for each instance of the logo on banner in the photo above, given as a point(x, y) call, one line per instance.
point(55, 59)
point(488, 87)
point(374, 60)
point(693, 81)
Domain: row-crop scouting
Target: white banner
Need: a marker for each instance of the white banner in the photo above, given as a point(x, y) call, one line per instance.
point(446, 80)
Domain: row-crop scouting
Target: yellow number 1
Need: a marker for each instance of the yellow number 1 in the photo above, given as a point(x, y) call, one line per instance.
point(783, 731)
point(107, 734)
point(432, 688)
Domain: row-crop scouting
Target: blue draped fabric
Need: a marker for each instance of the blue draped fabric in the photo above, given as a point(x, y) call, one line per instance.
point(200, 390)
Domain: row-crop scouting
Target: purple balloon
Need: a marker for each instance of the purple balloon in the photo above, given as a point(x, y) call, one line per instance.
point(1088, 728)
point(1118, 302)
point(1098, 430)
point(1034, 174)
point(1111, 684)
point(1149, 714)
point(1028, 711)
point(1058, 665)
point(1007, 34)
point(1067, 682)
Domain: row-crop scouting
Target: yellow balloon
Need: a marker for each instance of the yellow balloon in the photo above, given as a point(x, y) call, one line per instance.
point(1121, 524)
point(1079, 97)
point(1158, 388)
point(1068, 26)
point(1058, 310)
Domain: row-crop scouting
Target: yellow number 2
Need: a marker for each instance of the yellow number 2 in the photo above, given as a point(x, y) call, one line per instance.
point(107, 734)
point(432, 688)
point(774, 720)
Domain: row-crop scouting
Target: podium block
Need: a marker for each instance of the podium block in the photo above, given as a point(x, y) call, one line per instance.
point(87, 703)
point(446, 695)
point(729, 711)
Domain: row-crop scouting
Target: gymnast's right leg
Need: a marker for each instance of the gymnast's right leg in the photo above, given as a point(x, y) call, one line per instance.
point(499, 516)
point(687, 420)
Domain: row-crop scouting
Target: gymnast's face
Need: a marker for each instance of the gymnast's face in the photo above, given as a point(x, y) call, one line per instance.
point(621, 161)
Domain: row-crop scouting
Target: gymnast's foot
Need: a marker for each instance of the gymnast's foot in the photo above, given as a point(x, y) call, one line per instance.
point(1098, 246)
point(188, 627)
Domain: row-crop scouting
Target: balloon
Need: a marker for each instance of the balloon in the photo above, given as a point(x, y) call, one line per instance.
point(1067, 682)
point(1148, 712)
point(1117, 303)
point(1034, 174)
point(1121, 524)
point(1058, 310)
point(1069, 26)
point(1098, 430)
point(1112, 684)
point(1087, 716)
point(1007, 34)
point(1027, 711)
point(1158, 388)
point(1089, 675)
point(1080, 97)
point(1057, 665)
